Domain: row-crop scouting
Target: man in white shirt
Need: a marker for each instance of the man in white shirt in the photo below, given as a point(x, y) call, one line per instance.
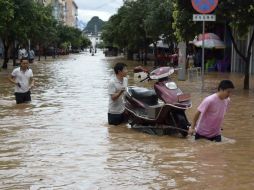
point(117, 85)
point(22, 52)
point(31, 55)
point(22, 77)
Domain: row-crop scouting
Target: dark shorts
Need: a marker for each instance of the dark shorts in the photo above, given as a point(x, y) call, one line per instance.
point(216, 138)
point(116, 119)
point(22, 97)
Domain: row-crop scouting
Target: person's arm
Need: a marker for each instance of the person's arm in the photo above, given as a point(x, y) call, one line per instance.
point(12, 79)
point(194, 122)
point(116, 95)
point(113, 92)
point(31, 83)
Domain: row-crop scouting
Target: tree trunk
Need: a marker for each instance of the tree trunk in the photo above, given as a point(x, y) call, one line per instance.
point(39, 53)
point(129, 55)
point(6, 60)
point(247, 74)
point(6, 57)
point(155, 55)
point(245, 58)
point(14, 50)
point(45, 53)
point(145, 57)
point(146, 50)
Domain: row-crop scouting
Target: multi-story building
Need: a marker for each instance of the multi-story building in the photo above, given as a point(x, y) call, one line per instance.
point(64, 11)
point(58, 10)
point(95, 39)
point(71, 13)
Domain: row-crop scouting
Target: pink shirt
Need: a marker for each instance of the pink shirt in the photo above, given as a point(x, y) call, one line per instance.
point(212, 111)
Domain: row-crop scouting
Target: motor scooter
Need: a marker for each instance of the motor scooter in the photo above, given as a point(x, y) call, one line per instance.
point(159, 111)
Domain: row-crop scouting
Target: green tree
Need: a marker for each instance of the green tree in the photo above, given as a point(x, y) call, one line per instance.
point(7, 13)
point(43, 28)
point(85, 42)
point(183, 25)
point(72, 36)
point(138, 24)
point(21, 23)
point(238, 16)
point(6, 16)
point(158, 22)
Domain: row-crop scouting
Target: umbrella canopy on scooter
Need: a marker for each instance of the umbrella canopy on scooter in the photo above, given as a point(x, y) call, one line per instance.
point(211, 40)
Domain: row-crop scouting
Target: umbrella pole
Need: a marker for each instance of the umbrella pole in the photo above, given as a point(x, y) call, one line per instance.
point(203, 55)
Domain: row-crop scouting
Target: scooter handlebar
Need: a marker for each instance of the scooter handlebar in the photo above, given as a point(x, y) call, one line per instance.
point(144, 79)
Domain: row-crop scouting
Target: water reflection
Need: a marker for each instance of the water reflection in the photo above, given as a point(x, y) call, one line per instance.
point(62, 141)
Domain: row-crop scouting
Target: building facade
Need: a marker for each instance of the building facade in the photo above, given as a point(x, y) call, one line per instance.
point(71, 13)
point(95, 39)
point(64, 11)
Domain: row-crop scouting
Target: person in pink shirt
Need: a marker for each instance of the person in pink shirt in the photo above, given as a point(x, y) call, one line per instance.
point(210, 113)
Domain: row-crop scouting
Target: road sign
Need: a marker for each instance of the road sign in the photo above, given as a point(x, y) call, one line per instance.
point(204, 6)
point(204, 17)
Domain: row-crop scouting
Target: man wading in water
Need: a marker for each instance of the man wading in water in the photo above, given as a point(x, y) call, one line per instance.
point(22, 77)
point(210, 114)
point(116, 87)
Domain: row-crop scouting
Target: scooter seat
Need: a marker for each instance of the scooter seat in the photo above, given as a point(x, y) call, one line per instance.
point(145, 95)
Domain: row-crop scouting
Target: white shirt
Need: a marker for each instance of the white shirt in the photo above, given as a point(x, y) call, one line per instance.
point(23, 78)
point(22, 53)
point(117, 106)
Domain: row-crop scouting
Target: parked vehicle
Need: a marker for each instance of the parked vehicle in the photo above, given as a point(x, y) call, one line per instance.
point(161, 110)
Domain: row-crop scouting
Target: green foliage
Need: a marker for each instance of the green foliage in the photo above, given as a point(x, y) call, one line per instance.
point(23, 20)
point(85, 42)
point(65, 45)
point(185, 29)
point(6, 14)
point(72, 36)
point(139, 23)
point(43, 29)
point(26, 19)
point(238, 14)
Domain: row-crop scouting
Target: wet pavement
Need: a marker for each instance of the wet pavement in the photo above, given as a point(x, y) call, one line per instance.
point(61, 140)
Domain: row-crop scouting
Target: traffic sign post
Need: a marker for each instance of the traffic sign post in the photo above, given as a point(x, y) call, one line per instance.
point(204, 7)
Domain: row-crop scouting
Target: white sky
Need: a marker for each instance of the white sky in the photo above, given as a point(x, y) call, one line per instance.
point(101, 8)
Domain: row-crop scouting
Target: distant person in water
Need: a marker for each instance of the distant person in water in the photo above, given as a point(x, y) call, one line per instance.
point(208, 119)
point(22, 77)
point(116, 88)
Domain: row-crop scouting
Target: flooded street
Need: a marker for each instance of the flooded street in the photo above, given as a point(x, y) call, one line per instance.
point(61, 140)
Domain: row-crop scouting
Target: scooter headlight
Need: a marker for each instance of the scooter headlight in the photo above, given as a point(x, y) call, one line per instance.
point(171, 85)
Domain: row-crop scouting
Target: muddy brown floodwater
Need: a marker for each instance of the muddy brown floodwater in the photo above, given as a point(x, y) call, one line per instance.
point(61, 140)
